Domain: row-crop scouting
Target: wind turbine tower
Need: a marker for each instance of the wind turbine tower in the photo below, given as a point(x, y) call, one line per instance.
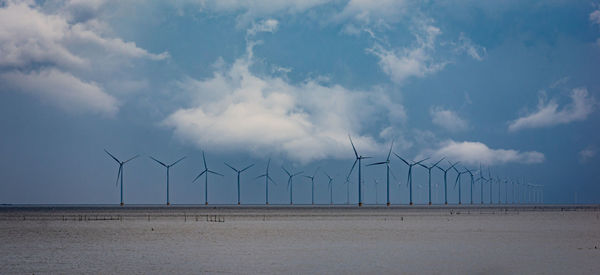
point(359, 158)
point(429, 172)
point(205, 173)
point(238, 178)
point(267, 179)
point(120, 173)
point(445, 179)
point(290, 183)
point(312, 182)
point(387, 167)
point(409, 180)
point(168, 168)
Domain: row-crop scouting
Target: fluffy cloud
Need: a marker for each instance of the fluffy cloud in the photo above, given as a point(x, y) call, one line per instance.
point(372, 12)
point(416, 61)
point(595, 17)
point(36, 45)
point(447, 119)
point(63, 90)
point(548, 114)
point(238, 110)
point(474, 153)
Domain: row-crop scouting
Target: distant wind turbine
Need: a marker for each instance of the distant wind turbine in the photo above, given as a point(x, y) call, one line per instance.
point(445, 179)
point(238, 178)
point(376, 193)
point(481, 179)
point(409, 180)
point(330, 186)
point(458, 176)
point(290, 183)
point(359, 158)
point(312, 181)
point(168, 168)
point(472, 182)
point(120, 173)
point(491, 180)
point(387, 167)
point(205, 173)
point(429, 172)
point(267, 179)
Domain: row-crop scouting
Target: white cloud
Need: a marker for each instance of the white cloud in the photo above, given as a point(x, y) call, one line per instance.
point(548, 114)
point(467, 46)
point(37, 43)
point(447, 119)
point(63, 90)
point(269, 25)
point(238, 110)
point(373, 12)
point(588, 153)
point(416, 61)
point(474, 153)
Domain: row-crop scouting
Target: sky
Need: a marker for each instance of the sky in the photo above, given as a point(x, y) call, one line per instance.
point(510, 86)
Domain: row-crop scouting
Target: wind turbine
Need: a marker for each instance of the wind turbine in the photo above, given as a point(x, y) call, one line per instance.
point(445, 179)
point(481, 179)
point(491, 180)
point(238, 177)
point(429, 172)
point(409, 180)
point(267, 179)
point(120, 173)
point(359, 158)
point(376, 193)
point(205, 173)
point(290, 183)
point(330, 188)
point(168, 167)
point(458, 174)
point(387, 167)
point(472, 182)
point(312, 181)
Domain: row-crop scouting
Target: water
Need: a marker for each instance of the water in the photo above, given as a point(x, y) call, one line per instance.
point(300, 240)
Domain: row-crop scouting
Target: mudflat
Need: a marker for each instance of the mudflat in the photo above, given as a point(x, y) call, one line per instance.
point(302, 239)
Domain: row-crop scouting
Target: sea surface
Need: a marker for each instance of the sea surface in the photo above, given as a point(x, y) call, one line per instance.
point(302, 239)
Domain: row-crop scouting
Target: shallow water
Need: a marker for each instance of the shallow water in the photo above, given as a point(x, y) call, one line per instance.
point(284, 240)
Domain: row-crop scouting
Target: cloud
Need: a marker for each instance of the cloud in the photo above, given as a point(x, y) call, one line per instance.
point(474, 153)
point(467, 46)
point(447, 119)
point(236, 109)
point(548, 114)
point(269, 25)
point(415, 61)
point(63, 90)
point(588, 153)
point(372, 12)
point(37, 44)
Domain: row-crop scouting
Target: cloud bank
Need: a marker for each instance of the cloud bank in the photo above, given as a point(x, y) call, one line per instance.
point(448, 119)
point(475, 153)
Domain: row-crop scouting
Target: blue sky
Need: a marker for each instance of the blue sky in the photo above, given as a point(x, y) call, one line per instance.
point(510, 85)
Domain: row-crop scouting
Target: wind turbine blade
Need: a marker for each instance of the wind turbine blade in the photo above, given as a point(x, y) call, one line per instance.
point(439, 161)
point(401, 159)
point(268, 163)
point(286, 171)
point(231, 167)
point(351, 169)
point(297, 173)
point(454, 164)
point(263, 175)
point(204, 160)
point(377, 163)
point(308, 177)
point(117, 160)
point(315, 173)
point(215, 173)
point(456, 181)
point(390, 152)
point(455, 169)
point(353, 148)
point(118, 175)
point(199, 175)
point(248, 167)
point(422, 165)
point(177, 161)
point(159, 162)
point(421, 161)
point(136, 156)
point(269, 177)
point(394, 176)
